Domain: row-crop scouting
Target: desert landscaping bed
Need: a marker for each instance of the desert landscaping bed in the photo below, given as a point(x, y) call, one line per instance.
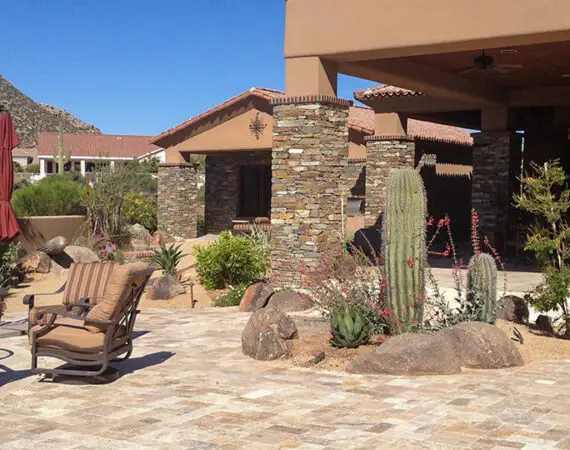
point(308, 349)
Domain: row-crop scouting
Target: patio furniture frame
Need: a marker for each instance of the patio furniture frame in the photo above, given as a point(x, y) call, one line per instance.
point(113, 346)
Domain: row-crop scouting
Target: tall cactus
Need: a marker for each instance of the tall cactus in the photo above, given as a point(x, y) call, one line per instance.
point(404, 247)
point(61, 156)
point(482, 287)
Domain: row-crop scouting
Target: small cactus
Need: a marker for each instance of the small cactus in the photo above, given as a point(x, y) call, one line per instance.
point(404, 247)
point(482, 286)
point(349, 329)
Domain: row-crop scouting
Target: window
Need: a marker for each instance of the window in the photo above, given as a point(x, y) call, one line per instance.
point(254, 191)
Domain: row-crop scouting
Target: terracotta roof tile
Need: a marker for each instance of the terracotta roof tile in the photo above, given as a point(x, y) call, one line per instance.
point(362, 118)
point(385, 91)
point(95, 145)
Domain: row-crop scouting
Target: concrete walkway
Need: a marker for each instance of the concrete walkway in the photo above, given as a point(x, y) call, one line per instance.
point(188, 386)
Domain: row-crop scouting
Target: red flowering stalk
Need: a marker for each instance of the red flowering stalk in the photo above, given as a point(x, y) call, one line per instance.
point(475, 231)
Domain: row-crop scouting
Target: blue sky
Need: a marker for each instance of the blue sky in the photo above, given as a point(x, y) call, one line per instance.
point(140, 67)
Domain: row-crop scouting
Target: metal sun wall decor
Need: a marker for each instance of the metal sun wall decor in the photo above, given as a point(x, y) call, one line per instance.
point(256, 126)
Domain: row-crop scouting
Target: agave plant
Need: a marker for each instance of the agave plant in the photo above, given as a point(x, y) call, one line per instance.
point(349, 329)
point(167, 258)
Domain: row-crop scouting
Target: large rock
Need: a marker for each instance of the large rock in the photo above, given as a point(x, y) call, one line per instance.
point(62, 261)
point(288, 301)
point(513, 309)
point(54, 246)
point(137, 231)
point(165, 288)
point(38, 262)
point(267, 335)
point(256, 297)
point(411, 354)
point(480, 345)
point(159, 238)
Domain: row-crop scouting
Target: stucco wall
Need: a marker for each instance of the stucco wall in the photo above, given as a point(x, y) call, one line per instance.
point(38, 229)
point(222, 186)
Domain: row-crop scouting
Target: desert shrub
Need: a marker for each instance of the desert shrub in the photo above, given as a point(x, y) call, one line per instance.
point(17, 167)
point(232, 260)
point(140, 208)
point(545, 195)
point(9, 270)
point(55, 195)
point(232, 297)
point(201, 226)
point(349, 281)
point(167, 258)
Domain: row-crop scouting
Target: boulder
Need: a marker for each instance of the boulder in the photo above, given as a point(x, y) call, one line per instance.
point(256, 297)
point(513, 309)
point(38, 262)
point(288, 301)
point(165, 288)
point(54, 246)
point(411, 354)
point(137, 231)
point(268, 334)
point(479, 345)
point(544, 323)
point(62, 261)
point(139, 245)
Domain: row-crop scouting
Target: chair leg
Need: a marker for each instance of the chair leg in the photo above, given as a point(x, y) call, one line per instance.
point(124, 358)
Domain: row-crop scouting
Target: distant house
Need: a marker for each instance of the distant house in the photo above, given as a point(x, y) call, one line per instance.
point(25, 156)
point(87, 150)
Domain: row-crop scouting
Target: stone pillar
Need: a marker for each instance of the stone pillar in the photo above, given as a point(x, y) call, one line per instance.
point(177, 200)
point(383, 154)
point(310, 155)
point(491, 194)
point(82, 166)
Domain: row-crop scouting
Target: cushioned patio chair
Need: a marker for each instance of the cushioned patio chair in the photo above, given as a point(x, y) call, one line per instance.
point(94, 339)
point(85, 284)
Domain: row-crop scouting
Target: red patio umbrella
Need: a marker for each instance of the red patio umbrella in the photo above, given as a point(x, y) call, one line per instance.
point(8, 140)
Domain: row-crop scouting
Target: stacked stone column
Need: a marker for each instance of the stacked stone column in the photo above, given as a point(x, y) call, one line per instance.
point(309, 158)
point(383, 154)
point(491, 182)
point(177, 200)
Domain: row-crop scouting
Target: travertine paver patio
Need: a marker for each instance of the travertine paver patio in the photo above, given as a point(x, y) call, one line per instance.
point(189, 386)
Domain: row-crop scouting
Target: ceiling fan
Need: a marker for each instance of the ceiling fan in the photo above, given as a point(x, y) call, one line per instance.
point(486, 62)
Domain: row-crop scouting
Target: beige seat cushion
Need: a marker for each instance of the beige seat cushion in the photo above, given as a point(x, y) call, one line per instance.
point(87, 280)
point(70, 334)
point(122, 281)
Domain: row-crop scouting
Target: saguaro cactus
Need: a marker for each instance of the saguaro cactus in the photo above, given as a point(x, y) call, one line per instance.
point(404, 246)
point(482, 286)
point(60, 155)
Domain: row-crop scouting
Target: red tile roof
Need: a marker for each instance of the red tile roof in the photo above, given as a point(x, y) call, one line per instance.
point(359, 118)
point(385, 91)
point(362, 119)
point(97, 145)
point(262, 93)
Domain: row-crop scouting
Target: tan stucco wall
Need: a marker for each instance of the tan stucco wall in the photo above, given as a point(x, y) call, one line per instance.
point(234, 134)
point(390, 28)
point(36, 230)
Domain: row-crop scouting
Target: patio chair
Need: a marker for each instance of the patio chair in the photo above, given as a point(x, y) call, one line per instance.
point(95, 339)
point(85, 284)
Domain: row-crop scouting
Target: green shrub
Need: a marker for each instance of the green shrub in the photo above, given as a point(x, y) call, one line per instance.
point(232, 297)
point(32, 168)
point(9, 270)
point(167, 258)
point(232, 260)
point(139, 208)
point(55, 195)
point(201, 226)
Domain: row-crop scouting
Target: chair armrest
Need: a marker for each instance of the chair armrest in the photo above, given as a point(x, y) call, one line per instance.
point(30, 298)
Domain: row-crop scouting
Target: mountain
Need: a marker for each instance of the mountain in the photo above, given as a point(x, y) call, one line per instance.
point(31, 117)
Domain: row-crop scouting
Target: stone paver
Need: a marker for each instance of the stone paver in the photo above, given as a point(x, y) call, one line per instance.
point(188, 386)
